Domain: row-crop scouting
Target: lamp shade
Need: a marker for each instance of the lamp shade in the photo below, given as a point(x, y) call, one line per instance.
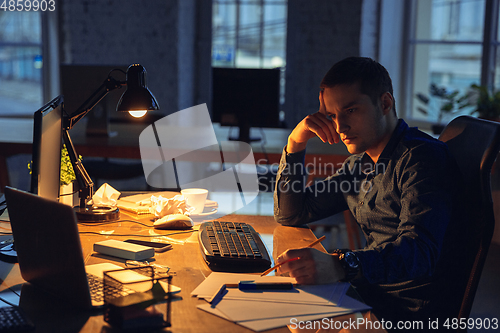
point(137, 97)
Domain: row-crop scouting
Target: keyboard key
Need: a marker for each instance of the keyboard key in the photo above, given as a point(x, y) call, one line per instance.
point(13, 319)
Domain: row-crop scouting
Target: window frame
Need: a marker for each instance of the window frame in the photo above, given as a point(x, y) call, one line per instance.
point(261, 26)
point(489, 44)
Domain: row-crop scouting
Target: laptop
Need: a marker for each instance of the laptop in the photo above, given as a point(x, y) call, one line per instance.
point(49, 251)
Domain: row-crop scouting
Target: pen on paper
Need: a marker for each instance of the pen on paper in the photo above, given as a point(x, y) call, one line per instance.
point(292, 259)
point(217, 296)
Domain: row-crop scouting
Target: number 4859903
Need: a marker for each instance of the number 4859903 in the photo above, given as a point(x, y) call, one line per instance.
point(28, 5)
point(471, 323)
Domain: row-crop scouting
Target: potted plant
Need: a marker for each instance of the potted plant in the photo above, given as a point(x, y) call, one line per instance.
point(67, 178)
point(486, 102)
point(448, 102)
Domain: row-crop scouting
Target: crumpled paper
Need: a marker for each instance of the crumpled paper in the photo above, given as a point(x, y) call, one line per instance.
point(105, 196)
point(161, 206)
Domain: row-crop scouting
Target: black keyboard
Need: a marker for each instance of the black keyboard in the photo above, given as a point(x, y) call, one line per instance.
point(233, 247)
point(13, 319)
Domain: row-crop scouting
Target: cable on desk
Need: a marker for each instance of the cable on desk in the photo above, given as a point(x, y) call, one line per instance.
point(134, 235)
point(14, 292)
point(7, 302)
point(8, 232)
point(111, 222)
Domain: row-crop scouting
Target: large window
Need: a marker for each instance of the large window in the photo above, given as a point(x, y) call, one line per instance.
point(249, 33)
point(452, 46)
point(20, 63)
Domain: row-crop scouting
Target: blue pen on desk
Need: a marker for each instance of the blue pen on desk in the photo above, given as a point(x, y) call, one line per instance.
point(248, 286)
point(251, 285)
point(217, 297)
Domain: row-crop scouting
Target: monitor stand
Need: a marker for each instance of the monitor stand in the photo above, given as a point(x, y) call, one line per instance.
point(244, 134)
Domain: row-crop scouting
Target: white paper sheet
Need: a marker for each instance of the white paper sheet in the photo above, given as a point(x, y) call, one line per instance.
point(212, 283)
point(326, 294)
point(259, 316)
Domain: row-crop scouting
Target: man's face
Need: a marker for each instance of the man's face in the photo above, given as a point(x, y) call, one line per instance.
point(360, 124)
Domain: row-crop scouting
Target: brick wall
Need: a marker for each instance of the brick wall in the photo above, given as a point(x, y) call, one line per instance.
point(320, 33)
point(158, 34)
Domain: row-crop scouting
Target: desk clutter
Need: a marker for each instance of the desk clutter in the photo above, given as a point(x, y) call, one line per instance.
point(261, 309)
point(137, 308)
point(252, 301)
point(162, 204)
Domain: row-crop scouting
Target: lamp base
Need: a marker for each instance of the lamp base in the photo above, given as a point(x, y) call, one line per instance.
point(97, 214)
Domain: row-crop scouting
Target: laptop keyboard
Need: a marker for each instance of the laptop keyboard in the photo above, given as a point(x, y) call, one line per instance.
point(13, 319)
point(96, 287)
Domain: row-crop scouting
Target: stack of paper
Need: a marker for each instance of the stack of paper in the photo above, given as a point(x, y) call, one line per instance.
point(140, 203)
point(262, 310)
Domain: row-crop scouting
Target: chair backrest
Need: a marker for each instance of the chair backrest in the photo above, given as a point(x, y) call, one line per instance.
point(474, 143)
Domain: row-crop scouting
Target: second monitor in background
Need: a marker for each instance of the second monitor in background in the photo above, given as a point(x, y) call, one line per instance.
point(246, 98)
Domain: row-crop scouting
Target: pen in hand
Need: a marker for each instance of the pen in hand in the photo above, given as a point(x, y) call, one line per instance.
point(292, 259)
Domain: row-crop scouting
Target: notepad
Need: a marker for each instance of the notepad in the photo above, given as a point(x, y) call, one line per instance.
point(132, 207)
point(140, 203)
point(144, 199)
point(263, 310)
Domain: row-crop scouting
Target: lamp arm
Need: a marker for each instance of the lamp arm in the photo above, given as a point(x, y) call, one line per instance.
point(85, 183)
point(108, 85)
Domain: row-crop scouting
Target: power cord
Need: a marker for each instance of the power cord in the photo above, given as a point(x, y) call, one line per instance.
point(3, 205)
point(126, 235)
point(7, 302)
point(111, 222)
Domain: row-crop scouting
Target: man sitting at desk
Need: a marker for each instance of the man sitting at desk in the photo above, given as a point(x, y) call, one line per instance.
point(400, 185)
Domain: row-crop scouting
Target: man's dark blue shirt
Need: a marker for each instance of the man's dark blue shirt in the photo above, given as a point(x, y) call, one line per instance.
point(403, 204)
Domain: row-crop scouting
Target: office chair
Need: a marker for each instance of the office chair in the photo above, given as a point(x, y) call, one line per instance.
point(474, 143)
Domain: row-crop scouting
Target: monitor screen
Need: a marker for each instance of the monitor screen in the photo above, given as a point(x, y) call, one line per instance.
point(46, 156)
point(246, 97)
point(78, 82)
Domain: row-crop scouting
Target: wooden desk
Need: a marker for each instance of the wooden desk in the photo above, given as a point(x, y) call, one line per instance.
point(16, 136)
point(184, 259)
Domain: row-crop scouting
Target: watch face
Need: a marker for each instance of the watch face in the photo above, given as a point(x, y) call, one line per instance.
point(351, 259)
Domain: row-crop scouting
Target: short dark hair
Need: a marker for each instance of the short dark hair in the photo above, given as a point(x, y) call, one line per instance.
point(373, 78)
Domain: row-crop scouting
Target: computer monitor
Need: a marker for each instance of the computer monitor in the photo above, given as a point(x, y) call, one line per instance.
point(78, 82)
point(46, 155)
point(246, 97)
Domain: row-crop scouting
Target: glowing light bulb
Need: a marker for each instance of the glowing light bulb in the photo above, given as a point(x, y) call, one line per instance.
point(138, 113)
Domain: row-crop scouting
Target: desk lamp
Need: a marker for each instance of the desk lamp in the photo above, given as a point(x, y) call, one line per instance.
point(137, 100)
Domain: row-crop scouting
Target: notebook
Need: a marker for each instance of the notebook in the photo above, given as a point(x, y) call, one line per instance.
point(49, 251)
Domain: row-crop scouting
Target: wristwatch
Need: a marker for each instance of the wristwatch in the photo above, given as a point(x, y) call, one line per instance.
point(349, 262)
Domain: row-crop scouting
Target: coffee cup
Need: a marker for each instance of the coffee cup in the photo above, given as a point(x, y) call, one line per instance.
point(195, 197)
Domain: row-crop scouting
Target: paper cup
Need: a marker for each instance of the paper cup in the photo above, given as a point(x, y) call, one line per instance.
point(195, 197)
